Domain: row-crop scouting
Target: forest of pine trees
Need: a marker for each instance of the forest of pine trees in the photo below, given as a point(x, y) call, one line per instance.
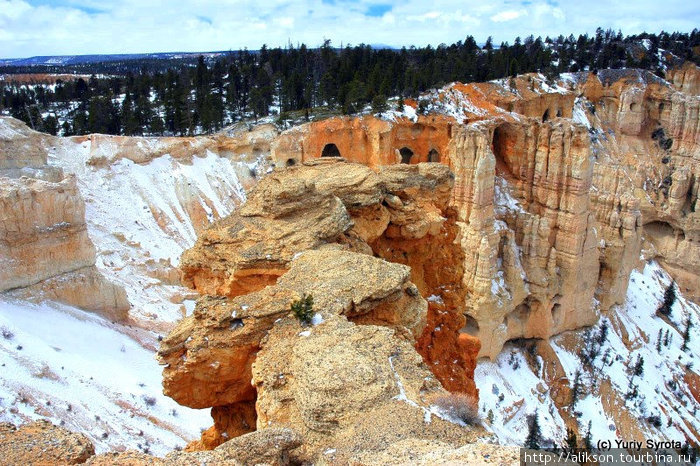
point(202, 97)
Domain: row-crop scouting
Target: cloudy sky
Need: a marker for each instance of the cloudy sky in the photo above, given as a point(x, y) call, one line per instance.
point(72, 27)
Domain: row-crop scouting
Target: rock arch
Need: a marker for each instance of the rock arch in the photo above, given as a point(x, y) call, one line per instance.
point(330, 150)
point(545, 116)
point(503, 145)
point(406, 154)
point(433, 156)
point(471, 326)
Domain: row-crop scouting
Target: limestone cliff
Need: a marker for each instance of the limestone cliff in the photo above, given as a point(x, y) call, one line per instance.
point(314, 229)
point(45, 250)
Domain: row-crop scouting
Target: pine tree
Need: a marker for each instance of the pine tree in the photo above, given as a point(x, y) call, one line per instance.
point(669, 298)
point(576, 389)
point(686, 334)
point(571, 439)
point(379, 104)
point(534, 433)
point(588, 439)
point(658, 341)
point(639, 366)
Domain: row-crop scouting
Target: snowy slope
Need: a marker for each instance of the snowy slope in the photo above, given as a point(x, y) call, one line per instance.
point(140, 217)
point(512, 389)
point(101, 378)
point(77, 369)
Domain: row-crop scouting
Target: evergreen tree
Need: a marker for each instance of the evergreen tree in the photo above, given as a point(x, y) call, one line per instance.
point(639, 366)
point(686, 334)
point(669, 299)
point(379, 104)
point(534, 433)
point(588, 439)
point(571, 440)
point(576, 389)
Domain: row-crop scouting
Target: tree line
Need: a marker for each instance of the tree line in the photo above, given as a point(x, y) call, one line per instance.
point(204, 96)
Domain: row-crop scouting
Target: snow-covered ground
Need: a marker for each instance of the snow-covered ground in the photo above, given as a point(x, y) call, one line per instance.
point(510, 390)
point(140, 217)
point(81, 371)
point(100, 378)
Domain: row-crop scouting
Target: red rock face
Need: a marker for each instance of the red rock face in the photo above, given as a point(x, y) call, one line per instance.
point(435, 263)
point(367, 140)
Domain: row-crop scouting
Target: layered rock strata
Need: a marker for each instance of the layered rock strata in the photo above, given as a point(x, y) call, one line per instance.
point(45, 249)
point(315, 229)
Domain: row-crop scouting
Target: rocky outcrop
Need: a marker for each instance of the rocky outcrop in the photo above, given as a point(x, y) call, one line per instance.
point(654, 148)
point(523, 255)
point(42, 443)
point(45, 248)
point(104, 149)
point(314, 230)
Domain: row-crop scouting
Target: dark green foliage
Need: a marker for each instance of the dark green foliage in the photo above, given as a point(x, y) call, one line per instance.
point(534, 433)
point(666, 305)
point(303, 309)
point(379, 104)
point(639, 367)
point(686, 334)
point(571, 440)
point(576, 389)
point(192, 95)
point(588, 439)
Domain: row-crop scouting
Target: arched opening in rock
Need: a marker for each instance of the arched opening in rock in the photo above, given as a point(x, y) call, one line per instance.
point(661, 107)
point(503, 147)
point(291, 162)
point(471, 327)
point(406, 154)
point(659, 230)
point(634, 106)
point(433, 156)
point(545, 117)
point(559, 113)
point(556, 314)
point(330, 150)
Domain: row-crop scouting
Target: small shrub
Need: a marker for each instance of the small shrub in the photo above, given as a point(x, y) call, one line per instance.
point(303, 309)
point(6, 333)
point(149, 400)
point(654, 421)
point(459, 406)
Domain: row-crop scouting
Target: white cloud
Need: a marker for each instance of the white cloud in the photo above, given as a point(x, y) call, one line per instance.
point(131, 26)
point(508, 15)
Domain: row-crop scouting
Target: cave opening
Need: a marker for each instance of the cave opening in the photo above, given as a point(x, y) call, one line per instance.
point(433, 156)
point(471, 326)
point(502, 146)
point(330, 150)
point(291, 162)
point(545, 116)
point(661, 229)
point(406, 154)
point(559, 113)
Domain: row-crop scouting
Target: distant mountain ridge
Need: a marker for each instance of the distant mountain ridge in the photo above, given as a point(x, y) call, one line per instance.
point(67, 60)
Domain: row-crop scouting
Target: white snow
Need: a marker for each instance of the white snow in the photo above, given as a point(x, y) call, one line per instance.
point(70, 366)
point(661, 389)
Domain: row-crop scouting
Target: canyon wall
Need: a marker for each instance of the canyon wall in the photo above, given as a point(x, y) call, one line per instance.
point(555, 187)
point(527, 261)
point(45, 251)
point(653, 142)
point(315, 229)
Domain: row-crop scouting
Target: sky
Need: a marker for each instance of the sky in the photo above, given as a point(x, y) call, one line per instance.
point(77, 27)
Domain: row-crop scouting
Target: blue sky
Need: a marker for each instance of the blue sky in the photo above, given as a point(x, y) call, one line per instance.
point(72, 27)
